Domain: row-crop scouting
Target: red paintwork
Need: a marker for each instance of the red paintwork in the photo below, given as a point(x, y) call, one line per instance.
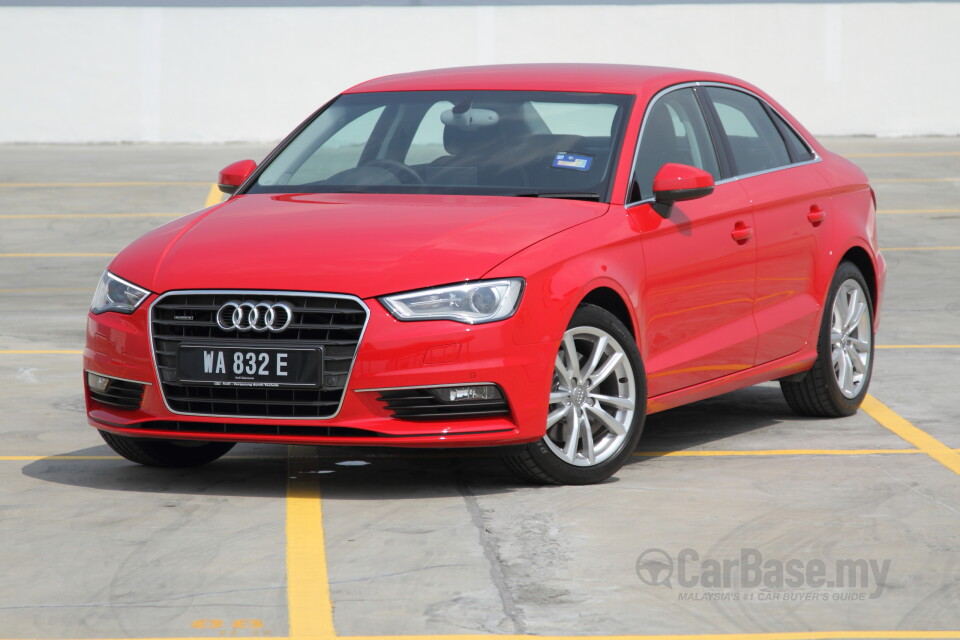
point(714, 308)
point(311, 241)
point(395, 358)
point(681, 177)
point(699, 290)
point(235, 174)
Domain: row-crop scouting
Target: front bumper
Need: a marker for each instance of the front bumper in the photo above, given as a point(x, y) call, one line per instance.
point(391, 355)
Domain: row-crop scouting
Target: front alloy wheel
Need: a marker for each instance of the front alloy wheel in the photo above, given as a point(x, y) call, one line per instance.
point(597, 404)
point(593, 398)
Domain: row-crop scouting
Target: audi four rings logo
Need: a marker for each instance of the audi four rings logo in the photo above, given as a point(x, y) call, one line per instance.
point(255, 316)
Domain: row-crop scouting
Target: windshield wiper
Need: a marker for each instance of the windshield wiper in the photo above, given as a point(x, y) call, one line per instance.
point(568, 195)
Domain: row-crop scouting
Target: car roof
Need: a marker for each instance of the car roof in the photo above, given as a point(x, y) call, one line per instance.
point(591, 78)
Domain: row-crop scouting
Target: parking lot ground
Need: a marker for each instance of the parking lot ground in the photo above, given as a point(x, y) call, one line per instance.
point(735, 518)
point(106, 551)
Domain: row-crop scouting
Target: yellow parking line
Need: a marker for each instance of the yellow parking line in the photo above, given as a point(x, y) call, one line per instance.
point(922, 440)
point(906, 154)
point(214, 196)
point(919, 248)
point(45, 185)
point(918, 211)
point(26, 216)
point(311, 608)
point(772, 635)
point(771, 452)
point(57, 255)
point(308, 588)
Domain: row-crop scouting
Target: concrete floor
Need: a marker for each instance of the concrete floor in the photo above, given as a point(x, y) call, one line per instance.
point(92, 546)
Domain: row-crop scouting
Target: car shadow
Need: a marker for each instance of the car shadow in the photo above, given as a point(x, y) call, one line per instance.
point(715, 419)
point(264, 471)
point(232, 476)
point(354, 473)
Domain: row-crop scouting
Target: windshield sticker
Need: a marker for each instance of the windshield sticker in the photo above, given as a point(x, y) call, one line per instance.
point(564, 160)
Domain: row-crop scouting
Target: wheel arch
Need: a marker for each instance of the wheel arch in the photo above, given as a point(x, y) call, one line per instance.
point(611, 301)
point(859, 257)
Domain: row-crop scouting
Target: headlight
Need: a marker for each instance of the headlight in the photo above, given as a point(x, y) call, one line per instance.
point(116, 294)
point(471, 302)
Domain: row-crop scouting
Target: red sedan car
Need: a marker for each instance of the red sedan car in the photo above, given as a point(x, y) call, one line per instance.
point(534, 257)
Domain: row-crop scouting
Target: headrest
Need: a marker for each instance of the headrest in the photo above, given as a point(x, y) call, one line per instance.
point(458, 142)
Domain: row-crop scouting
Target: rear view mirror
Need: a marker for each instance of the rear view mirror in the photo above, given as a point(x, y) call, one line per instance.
point(676, 182)
point(235, 175)
point(468, 118)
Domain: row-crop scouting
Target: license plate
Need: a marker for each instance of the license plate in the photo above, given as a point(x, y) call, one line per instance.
point(250, 367)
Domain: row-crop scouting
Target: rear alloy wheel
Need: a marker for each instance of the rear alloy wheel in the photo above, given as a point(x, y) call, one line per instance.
point(166, 453)
point(597, 405)
point(838, 381)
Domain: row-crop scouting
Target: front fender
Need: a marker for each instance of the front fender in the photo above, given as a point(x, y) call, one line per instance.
point(562, 270)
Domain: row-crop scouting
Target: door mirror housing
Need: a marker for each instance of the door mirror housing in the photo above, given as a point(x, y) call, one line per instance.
point(235, 175)
point(677, 182)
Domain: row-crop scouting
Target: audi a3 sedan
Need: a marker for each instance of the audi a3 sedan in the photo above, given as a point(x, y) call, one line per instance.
point(531, 257)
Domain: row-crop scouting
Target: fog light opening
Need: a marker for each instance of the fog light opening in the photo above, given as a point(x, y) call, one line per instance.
point(470, 393)
point(97, 383)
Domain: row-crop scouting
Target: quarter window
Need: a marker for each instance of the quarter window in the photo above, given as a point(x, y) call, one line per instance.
point(675, 131)
point(799, 151)
point(754, 139)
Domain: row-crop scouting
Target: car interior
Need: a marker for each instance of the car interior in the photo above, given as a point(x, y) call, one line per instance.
point(511, 148)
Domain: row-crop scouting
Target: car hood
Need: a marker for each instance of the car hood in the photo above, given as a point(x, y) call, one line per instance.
point(360, 244)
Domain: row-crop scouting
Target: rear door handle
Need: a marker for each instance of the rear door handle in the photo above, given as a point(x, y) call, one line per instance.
point(741, 232)
point(816, 215)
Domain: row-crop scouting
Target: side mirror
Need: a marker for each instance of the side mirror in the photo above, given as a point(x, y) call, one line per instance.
point(235, 175)
point(676, 182)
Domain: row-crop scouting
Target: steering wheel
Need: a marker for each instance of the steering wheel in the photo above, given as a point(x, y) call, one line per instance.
point(398, 169)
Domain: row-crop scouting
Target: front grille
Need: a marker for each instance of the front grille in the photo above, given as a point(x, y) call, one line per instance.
point(122, 394)
point(331, 322)
point(420, 404)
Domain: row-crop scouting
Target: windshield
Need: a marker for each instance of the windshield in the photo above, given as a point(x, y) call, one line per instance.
point(455, 142)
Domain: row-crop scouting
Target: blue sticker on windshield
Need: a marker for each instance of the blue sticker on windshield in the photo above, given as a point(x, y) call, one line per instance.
point(564, 160)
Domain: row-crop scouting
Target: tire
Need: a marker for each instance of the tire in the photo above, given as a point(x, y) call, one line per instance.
point(166, 453)
point(838, 381)
point(613, 404)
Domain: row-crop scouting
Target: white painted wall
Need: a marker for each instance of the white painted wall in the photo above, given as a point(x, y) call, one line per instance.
point(210, 75)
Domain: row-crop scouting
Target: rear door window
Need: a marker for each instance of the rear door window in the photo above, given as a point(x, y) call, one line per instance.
point(755, 141)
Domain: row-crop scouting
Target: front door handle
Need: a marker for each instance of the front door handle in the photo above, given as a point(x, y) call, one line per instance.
point(741, 232)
